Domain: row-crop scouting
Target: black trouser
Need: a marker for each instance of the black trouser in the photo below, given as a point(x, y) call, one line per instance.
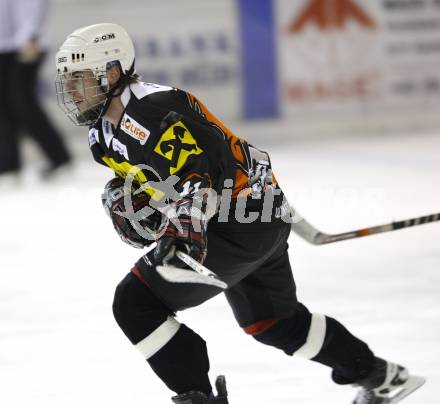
point(20, 109)
point(262, 294)
point(9, 155)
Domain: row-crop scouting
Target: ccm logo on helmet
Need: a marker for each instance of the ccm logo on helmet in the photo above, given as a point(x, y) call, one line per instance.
point(62, 60)
point(134, 129)
point(104, 37)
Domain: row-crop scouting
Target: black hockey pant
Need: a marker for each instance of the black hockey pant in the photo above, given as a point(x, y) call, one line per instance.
point(262, 295)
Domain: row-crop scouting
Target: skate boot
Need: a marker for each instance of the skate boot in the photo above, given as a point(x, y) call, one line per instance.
point(387, 383)
point(197, 397)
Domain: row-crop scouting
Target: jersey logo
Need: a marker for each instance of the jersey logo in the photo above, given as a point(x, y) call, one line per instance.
point(176, 145)
point(134, 129)
point(120, 148)
point(93, 136)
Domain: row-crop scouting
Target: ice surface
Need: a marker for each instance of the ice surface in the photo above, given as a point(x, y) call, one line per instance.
point(60, 262)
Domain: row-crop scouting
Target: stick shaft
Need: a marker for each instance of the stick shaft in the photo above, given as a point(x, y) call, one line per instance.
point(314, 236)
point(195, 265)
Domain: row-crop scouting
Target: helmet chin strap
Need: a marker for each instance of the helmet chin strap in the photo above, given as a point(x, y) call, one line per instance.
point(120, 85)
point(91, 115)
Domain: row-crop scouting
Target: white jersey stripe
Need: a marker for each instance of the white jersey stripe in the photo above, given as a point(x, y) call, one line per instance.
point(315, 338)
point(158, 338)
point(141, 89)
point(125, 96)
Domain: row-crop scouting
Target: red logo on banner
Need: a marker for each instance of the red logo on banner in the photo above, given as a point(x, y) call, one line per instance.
point(330, 14)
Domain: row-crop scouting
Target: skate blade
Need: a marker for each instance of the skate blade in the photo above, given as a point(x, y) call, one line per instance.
point(411, 385)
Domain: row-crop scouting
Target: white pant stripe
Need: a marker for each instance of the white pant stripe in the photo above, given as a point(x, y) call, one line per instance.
point(158, 338)
point(315, 338)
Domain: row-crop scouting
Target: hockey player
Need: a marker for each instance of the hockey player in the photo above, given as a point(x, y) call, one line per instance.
point(159, 133)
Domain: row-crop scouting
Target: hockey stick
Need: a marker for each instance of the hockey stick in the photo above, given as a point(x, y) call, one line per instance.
point(309, 233)
point(200, 273)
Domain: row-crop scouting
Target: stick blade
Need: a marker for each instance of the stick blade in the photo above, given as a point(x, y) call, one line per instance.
point(178, 275)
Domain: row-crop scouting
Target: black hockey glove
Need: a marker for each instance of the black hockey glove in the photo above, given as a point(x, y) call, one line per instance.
point(114, 204)
point(183, 228)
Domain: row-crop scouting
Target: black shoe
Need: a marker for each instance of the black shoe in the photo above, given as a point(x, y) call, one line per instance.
point(57, 172)
point(10, 180)
point(387, 383)
point(197, 397)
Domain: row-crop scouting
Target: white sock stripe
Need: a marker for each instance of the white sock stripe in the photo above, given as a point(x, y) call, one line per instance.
point(158, 338)
point(315, 338)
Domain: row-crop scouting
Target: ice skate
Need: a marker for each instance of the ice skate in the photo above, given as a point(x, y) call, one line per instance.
point(197, 397)
point(388, 383)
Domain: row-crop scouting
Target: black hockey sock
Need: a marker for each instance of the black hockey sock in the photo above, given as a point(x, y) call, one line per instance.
point(177, 354)
point(350, 358)
point(183, 363)
point(288, 334)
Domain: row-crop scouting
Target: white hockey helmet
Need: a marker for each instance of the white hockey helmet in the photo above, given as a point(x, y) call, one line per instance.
point(93, 49)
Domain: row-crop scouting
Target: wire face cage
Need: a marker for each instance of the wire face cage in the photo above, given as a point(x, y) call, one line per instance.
point(81, 95)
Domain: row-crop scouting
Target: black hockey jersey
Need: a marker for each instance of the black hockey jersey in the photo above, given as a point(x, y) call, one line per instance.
point(165, 131)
